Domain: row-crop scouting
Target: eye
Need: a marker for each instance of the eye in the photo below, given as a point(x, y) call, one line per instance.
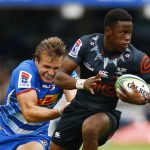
point(47, 67)
point(122, 33)
point(56, 68)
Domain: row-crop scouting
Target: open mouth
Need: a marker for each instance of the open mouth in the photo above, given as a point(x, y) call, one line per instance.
point(48, 76)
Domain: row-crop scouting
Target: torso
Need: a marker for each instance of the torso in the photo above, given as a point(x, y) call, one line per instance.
point(26, 77)
point(89, 53)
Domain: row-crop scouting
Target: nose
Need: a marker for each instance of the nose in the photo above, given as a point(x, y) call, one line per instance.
point(127, 37)
point(51, 71)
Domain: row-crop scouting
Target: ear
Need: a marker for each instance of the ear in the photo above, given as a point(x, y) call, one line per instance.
point(36, 61)
point(107, 31)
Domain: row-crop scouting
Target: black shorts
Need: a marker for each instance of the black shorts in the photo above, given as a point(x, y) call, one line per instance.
point(68, 133)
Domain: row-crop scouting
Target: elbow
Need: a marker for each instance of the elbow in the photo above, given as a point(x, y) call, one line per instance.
point(29, 120)
point(28, 116)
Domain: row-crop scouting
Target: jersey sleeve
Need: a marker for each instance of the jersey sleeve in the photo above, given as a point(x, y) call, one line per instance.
point(23, 79)
point(78, 50)
point(143, 66)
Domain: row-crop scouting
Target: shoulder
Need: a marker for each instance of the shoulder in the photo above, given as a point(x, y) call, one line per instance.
point(27, 66)
point(140, 59)
point(90, 40)
point(94, 36)
point(136, 52)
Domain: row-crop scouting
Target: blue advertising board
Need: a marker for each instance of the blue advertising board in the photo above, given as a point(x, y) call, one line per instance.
point(54, 3)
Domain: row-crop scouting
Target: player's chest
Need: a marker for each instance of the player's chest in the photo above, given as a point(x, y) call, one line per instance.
point(48, 94)
point(108, 67)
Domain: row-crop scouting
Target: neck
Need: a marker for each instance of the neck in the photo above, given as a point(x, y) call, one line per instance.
point(107, 46)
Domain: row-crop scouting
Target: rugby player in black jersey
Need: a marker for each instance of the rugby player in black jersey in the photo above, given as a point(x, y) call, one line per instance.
point(92, 117)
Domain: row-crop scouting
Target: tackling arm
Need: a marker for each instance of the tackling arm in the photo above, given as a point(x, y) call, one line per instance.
point(31, 111)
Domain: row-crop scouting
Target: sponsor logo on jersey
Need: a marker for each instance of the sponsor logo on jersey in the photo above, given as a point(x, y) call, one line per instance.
point(75, 49)
point(57, 134)
point(127, 55)
point(47, 100)
point(88, 66)
point(24, 80)
point(50, 87)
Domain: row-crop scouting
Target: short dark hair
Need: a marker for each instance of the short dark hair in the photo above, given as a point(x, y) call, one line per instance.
point(115, 15)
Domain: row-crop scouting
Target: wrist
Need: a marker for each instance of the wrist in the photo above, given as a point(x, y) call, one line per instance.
point(59, 111)
point(80, 83)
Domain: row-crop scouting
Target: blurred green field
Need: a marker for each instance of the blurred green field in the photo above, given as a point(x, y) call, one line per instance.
point(125, 147)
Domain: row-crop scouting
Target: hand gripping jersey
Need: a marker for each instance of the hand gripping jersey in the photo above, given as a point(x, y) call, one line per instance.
point(24, 78)
point(89, 53)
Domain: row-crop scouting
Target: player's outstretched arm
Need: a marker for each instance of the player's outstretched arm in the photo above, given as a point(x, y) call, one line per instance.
point(31, 111)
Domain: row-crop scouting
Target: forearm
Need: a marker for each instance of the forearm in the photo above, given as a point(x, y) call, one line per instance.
point(65, 81)
point(39, 114)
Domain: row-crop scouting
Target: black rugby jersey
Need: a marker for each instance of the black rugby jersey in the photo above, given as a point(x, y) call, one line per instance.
point(88, 52)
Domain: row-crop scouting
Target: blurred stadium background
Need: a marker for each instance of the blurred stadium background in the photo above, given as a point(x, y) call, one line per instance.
point(24, 23)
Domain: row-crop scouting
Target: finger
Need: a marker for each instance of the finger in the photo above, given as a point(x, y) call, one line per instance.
point(93, 85)
point(118, 91)
point(98, 76)
point(122, 97)
point(91, 90)
point(122, 87)
point(96, 80)
point(120, 94)
point(134, 87)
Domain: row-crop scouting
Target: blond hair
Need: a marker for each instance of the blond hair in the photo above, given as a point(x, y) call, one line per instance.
point(53, 47)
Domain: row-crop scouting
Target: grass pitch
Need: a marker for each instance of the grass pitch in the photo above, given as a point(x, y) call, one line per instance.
point(125, 147)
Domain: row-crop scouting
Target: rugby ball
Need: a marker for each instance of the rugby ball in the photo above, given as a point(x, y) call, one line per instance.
point(127, 80)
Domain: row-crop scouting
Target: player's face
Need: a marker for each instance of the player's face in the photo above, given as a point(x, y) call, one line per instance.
point(120, 36)
point(48, 67)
